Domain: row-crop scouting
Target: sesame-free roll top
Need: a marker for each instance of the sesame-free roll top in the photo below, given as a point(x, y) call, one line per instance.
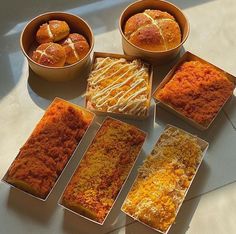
point(153, 30)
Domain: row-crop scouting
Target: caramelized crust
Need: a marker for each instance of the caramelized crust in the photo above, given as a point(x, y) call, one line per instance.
point(103, 169)
point(53, 31)
point(76, 48)
point(153, 30)
point(50, 54)
point(45, 154)
point(197, 90)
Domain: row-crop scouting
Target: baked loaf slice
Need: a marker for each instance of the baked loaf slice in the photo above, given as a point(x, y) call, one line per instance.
point(153, 30)
point(103, 170)
point(46, 152)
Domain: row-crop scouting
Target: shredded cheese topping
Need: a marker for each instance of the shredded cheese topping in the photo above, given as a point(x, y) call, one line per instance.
point(163, 179)
point(120, 86)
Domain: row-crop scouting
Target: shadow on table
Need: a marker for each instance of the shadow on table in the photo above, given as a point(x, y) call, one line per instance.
point(42, 92)
point(32, 208)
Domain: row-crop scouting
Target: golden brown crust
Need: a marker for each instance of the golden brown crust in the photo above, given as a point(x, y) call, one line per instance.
point(103, 169)
point(46, 152)
point(53, 31)
point(50, 54)
point(76, 48)
point(153, 30)
point(197, 90)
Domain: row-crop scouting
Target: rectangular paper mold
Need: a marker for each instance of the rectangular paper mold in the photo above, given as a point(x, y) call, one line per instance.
point(44, 199)
point(60, 203)
point(185, 58)
point(204, 146)
point(129, 58)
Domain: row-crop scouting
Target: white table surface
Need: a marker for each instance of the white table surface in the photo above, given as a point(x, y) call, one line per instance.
point(210, 207)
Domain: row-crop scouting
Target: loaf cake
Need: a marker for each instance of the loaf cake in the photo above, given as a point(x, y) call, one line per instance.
point(153, 30)
point(48, 149)
point(119, 86)
point(197, 90)
point(103, 169)
point(164, 179)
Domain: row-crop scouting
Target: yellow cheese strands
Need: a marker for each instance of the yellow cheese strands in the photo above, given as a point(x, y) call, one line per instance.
point(163, 179)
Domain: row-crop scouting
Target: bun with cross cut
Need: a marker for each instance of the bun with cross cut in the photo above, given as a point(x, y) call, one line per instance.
point(50, 54)
point(76, 47)
point(153, 30)
point(53, 31)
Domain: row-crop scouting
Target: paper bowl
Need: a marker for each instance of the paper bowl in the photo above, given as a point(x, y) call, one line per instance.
point(154, 57)
point(28, 44)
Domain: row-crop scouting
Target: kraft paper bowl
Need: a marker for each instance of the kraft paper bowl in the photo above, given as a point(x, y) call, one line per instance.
point(28, 44)
point(154, 57)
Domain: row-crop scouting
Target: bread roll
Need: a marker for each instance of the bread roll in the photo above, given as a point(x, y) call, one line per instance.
point(53, 31)
point(76, 47)
point(50, 54)
point(153, 30)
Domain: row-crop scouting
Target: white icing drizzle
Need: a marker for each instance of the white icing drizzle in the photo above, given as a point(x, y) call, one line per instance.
point(43, 52)
point(49, 31)
point(130, 101)
point(71, 44)
point(155, 22)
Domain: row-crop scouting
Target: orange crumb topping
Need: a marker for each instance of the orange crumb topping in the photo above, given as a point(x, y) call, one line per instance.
point(103, 169)
point(197, 90)
point(45, 154)
point(163, 179)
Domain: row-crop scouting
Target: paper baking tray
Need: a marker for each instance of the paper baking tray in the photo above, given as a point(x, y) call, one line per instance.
point(129, 58)
point(60, 203)
point(44, 199)
point(185, 58)
point(204, 146)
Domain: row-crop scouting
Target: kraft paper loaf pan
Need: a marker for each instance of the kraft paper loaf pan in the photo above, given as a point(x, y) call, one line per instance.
point(204, 146)
point(128, 58)
point(85, 112)
point(188, 56)
point(60, 201)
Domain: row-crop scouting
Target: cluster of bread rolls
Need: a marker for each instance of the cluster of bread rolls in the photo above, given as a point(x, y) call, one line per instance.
point(58, 47)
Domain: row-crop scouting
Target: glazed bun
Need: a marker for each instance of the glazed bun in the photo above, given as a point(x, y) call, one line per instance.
point(50, 54)
point(76, 47)
point(153, 30)
point(53, 31)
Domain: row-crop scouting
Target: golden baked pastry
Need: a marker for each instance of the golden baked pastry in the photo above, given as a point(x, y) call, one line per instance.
point(119, 86)
point(153, 30)
point(76, 48)
point(50, 54)
point(103, 170)
point(197, 90)
point(164, 179)
point(46, 152)
point(53, 31)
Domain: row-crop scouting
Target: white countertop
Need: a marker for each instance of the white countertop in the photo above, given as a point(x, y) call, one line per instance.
point(210, 207)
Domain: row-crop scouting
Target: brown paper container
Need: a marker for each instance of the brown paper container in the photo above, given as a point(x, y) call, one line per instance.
point(28, 44)
point(155, 57)
point(185, 58)
point(129, 58)
point(60, 203)
point(204, 146)
point(85, 111)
